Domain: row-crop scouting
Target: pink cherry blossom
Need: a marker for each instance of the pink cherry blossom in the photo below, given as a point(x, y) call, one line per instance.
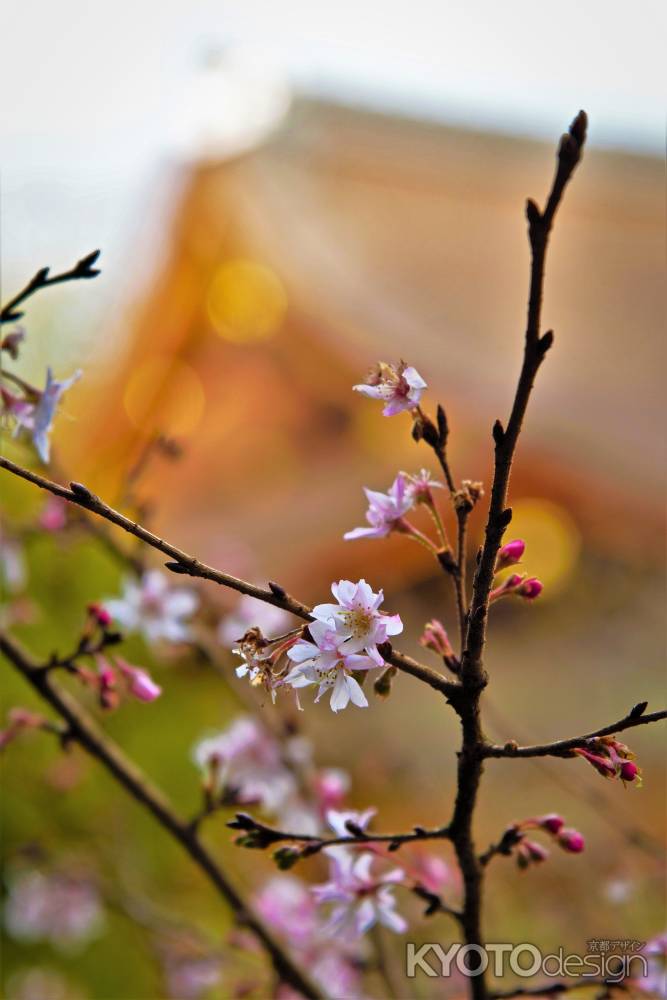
point(420, 486)
point(655, 980)
point(400, 387)
point(338, 820)
point(246, 757)
point(57, 907)
point(45, 411)
point(385, 511)
point(360, 899)
point(324, 663)
point(53, 515)
point(154, 608)
point(330, 786)
point(357, 619)
point(139, 682)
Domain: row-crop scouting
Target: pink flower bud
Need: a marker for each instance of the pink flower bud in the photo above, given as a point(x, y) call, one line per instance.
point(551, 822)
point(535, 850)
point(53, 516)
point(508, 586)
point(139, 682)
point(629, 770)
point(100, 615)
point(571, 840)
point(510, 554)
point(106, 679)
point(530, 588)
point(603, 765)
point(435, 637)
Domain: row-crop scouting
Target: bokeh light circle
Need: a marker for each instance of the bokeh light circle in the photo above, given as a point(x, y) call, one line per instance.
point(246, 301)
point(553, 542)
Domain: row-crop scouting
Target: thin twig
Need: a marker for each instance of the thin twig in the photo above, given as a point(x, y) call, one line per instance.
point(265, 836)
point(188, 565)
point(473, 676)
point(564, 748)
point(84, 268)
point(84, 731)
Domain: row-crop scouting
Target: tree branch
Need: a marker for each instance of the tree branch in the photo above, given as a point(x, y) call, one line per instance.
point(188, 565)
point(555, 989)
point(564, 748)
point(83, 729)
point(84, 268)
point(473, 676)
point(261, 836)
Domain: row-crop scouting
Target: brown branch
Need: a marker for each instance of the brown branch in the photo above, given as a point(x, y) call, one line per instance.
point(82, 269)
point(259, 835)
point(473, 676)
point(188, 565)
point(83, 729)
point(564, 748)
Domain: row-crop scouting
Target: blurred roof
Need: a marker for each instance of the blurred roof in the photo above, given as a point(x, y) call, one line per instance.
point(350, 236)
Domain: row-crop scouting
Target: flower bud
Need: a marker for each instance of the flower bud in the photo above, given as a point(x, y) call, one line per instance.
point(510, 554)
point(100, 615)
point(571, 840)
point(530, 588)
point(629, 770)
point(552, 822)
point(139, 682)
point(435, 637)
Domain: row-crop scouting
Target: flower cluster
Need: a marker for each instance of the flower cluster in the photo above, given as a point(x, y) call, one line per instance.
point(345, 639)
point(154, 608)
point(289, 908)
point(527, 851)
point(400, 387)
point(245, 764)
point(611, 759)
point(109, 668)
point(516, 584)
point(23, 407)
point(61, 908)
point(342, 640)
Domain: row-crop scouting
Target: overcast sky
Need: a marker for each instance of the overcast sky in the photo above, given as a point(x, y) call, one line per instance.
point(95, 94)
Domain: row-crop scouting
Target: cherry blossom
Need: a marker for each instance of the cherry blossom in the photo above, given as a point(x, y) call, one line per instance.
point(385, 511)
point(45, 410)
point(399, 386)
point(154, 608)
point(246, 757)
point(324, 663)
point(338, 820)
point(358, 622)
point(60, 908)
point(420, 486)
point(360, 899)
point(655, 980)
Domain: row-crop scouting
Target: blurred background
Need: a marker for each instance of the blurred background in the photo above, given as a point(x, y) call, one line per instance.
point(284, 194)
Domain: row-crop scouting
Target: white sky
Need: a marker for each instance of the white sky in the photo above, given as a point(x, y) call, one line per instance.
point(93, 93)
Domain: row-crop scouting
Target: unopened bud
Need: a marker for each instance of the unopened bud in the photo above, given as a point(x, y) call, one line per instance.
point(510, 554)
